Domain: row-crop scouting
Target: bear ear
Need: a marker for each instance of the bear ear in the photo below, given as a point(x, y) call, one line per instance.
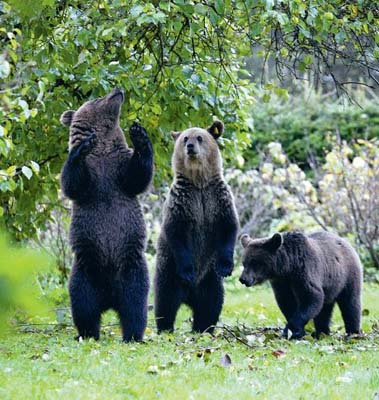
point(175, 134)
point(66, 117)
point(274, 242)
point(216, 129)
point(245, 240)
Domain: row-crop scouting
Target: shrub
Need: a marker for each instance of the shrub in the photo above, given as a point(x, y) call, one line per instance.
point(342, 196)
point(304, 125)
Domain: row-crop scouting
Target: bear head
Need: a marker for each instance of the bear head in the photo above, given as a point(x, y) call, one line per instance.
point(196, 154)
point(259, 258)
point(100, 116)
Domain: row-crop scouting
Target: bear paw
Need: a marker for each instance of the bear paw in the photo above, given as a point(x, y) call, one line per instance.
point(293, 333)
point(86, 145)
point(224, 266)
point(138, 135)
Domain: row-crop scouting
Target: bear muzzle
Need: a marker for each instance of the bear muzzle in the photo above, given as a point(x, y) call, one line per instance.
point(191, 152)
point(246, 282)
point(116, 92)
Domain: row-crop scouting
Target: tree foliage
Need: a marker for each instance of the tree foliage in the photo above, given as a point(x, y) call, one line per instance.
point(307, 125)
point(178, 61)
point(317, 36)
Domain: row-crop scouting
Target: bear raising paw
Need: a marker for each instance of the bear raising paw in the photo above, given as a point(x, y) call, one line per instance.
point(102, 177)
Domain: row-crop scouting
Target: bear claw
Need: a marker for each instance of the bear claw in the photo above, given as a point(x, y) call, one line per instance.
point(138, 135)
point(85, 146)
point(88, 144)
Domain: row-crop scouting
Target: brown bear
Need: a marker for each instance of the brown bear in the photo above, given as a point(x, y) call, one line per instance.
point(308, 274)
point(102, 176)
point(198, 235)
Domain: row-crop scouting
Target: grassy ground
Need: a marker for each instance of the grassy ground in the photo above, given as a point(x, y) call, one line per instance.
point(48, 364)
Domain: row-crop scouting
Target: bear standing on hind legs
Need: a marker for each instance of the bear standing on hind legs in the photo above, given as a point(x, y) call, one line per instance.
point(308, 274)
point(200, 224)
point(102, 177)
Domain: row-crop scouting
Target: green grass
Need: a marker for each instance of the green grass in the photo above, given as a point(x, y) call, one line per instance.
point(46, 363)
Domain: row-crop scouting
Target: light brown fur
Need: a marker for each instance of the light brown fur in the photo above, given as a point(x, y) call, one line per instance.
point(207, 163)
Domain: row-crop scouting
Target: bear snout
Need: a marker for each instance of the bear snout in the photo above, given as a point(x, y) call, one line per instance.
point(191, 149)
point(245, 281)
point(190, 146)
point(116, 92)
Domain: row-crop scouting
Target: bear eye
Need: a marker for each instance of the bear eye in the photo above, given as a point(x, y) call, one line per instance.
point(185, 139)
point(199, 139)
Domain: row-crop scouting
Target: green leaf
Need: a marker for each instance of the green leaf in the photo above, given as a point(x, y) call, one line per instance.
point(35, 166)
point(136, 11)
point(266, 97)
point(219, 5)
point(5, 67)
point(308, 59)
point(27, 171)
point(329, 16)
point(284, 51)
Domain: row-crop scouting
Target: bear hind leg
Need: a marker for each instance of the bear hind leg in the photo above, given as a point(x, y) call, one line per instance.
point(85, 304)
point(132, 301)
point(350, 306)
point(322, 320)
point(206, 302)
point(169, 295)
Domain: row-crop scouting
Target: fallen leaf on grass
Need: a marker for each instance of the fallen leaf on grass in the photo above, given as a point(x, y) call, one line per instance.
point(288, 334)
point(280, 353)
point(153, 369)
point(343, 379)
point(226, 361)
point(354, 337)
point(204, 354)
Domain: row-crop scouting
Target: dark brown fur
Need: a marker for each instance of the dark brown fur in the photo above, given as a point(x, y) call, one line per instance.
point(102, 177)
point(196, 244)
point(309, 274)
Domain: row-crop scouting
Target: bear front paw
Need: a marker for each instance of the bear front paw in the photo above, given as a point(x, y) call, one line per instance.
point(138, 135)
point(224, 266)
point(293, 333)
point(86, 145)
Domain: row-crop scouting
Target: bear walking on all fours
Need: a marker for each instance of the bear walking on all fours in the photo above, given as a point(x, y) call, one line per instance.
point(198, 235)
point(309, 274)
point(102, 176)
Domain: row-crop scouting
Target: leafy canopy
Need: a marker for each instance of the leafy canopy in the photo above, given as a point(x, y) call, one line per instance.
point(180, 63)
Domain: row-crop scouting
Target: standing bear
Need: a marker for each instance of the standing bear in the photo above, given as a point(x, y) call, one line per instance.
point(309, 274)
point(198, 235)
point(102, 177)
